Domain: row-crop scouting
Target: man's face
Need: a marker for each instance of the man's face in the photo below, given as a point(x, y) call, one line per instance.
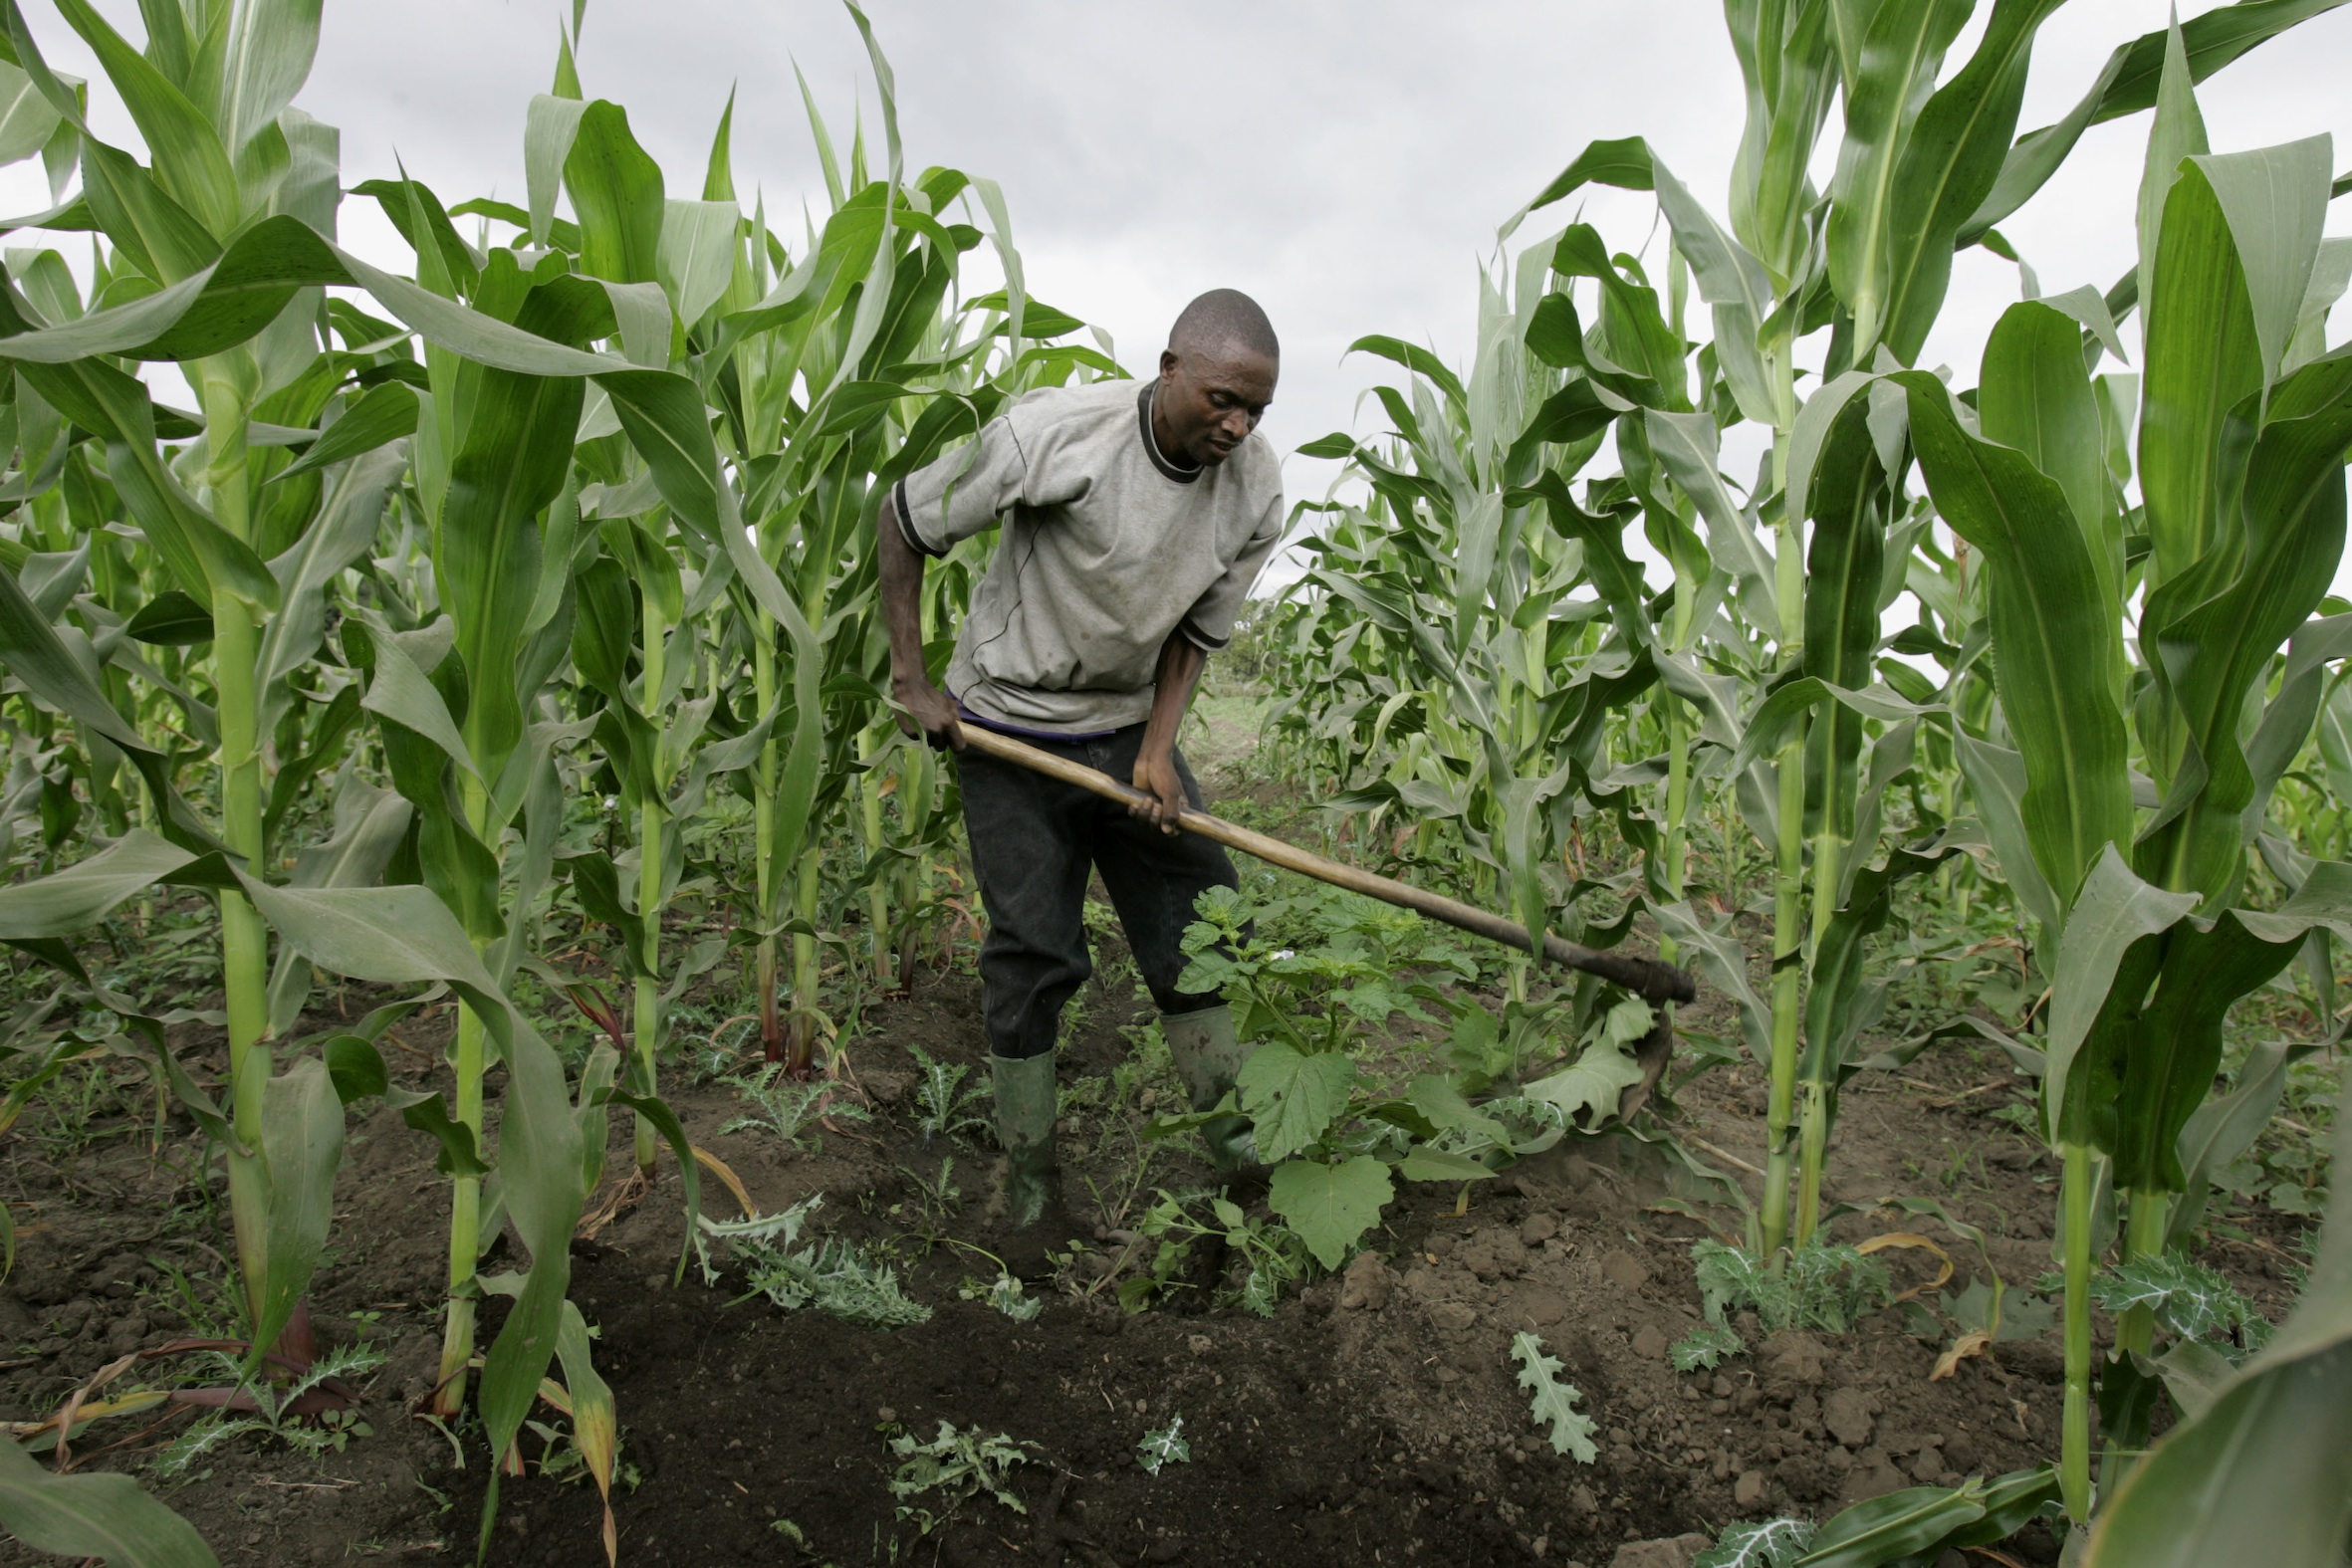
point(1210, 401)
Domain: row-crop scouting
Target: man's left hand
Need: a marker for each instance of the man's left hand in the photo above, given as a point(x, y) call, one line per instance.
point(1157, 777)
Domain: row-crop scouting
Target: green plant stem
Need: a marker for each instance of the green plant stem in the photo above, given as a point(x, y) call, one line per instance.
point(2143, 1236)
point(1788, 870)
point(1788, 970)
point(2075, 1462)
point(1813, 1119)
point(465, 1192)
point(805, 903)
point(764, 837)
point(465, 1226)
point(1675, 865)
point(647, 1020)
point(244, 939)
point(877, 893)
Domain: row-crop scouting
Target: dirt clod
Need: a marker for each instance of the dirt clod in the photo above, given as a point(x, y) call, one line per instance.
point(1365, 1287)
point(1624, 1270)
point(1677, 1552)
point(1846, 1412)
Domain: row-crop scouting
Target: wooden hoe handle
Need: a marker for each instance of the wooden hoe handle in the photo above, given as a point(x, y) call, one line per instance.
point(1647, 977)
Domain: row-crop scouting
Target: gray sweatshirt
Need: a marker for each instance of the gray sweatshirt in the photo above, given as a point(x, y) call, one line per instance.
point(1109, 547)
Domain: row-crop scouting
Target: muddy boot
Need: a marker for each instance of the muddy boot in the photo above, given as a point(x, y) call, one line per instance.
point(1027, 1208)
point(1208, 1058)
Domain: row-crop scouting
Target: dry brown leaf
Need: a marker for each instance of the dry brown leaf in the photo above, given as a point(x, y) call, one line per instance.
point(1975, 1342)
point(1910, 1239)
point(718, 1167)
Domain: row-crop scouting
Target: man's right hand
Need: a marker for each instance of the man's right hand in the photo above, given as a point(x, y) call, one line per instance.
point(925, 710)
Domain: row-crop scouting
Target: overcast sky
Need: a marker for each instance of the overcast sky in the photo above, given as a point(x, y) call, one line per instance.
point(1347, 162)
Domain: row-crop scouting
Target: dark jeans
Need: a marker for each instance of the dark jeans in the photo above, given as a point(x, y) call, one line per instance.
point(1033, 841)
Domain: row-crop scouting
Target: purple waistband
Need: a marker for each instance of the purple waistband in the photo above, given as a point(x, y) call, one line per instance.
point(1053, 736)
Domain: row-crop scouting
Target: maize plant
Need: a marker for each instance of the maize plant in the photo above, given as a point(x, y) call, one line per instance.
point(2206, 487)
point(407, 517)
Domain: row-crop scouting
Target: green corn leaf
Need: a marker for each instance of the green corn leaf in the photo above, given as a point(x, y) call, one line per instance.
point(403, 693)
point(173, 620)
point(31, 651)
point(697, 256)
point(2263, 1472)
point(2224, 1128)
point(1330, 1205)
point(1688, 447)
point(271, 44)
point(616, 191)
point(550, 127)
point(2291, 513)
point(1788, 61)
point(408, 936)
point(1415, 358)
point(1624, 164)
point(2049, 626)
point(1949, 166)
point(188, 158)
point(517, 452)
point(2203, 359)
point(301, 1148)
point(1723, 962)
point(2115, 913)
point(2275, 204)
point(1887, 86)
point(27, 119)
point(1890, 1528)
point(382, 414)
point(1850, 503)
point(82, 895)
point(1831, 1017)
point(2128, 83)
point(96, 1516)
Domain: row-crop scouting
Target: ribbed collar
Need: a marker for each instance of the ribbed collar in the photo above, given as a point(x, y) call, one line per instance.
point(1151, 442)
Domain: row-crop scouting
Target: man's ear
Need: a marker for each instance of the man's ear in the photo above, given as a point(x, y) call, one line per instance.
point(1167, 364)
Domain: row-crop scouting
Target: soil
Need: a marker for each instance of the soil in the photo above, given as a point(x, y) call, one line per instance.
point(1375, 1417)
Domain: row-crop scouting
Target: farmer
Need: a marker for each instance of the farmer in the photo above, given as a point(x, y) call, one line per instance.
point(1137, 518)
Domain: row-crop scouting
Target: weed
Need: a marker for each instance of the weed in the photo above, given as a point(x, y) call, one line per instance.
point(947, 1106)
point(1269, 1256)
point(786, 1108)
point(1706, 1347)
point(1005, 1294)
point(838, 1277)
point(1815, 1287)
point(2189, 1299)
point(956, 1466)
point(936, 1200)
point(1772, 1544)
point(1552, 1403)
point(1163, 1447)
point(561, 1461)
point(317, 1436)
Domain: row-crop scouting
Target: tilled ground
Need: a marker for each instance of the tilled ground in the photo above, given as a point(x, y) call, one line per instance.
point(1374, 1419)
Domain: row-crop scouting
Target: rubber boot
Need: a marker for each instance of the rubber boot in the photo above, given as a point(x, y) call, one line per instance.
point(1028, 1205)
point(1209, 1058)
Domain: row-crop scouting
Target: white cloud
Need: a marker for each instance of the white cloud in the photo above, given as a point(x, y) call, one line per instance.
point(1348, 161)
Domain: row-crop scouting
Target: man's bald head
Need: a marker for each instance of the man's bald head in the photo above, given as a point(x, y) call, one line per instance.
point(1217, 376)
point(1221, 322)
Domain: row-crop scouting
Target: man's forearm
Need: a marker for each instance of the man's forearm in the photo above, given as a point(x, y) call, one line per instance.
point(1181, 662)
point(900, 572)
